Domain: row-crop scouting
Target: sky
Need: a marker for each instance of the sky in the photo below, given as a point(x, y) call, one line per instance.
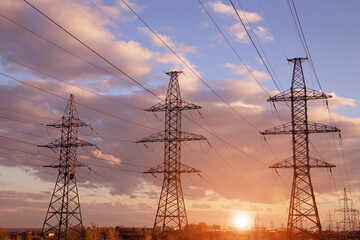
point(41, 65)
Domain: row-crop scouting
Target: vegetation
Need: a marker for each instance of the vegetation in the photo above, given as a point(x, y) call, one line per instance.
point(200, 231)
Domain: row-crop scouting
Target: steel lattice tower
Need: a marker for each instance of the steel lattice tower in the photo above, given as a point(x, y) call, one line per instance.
point(346, 210)
point(302, 200)
point(63, 217)
point(330, 220)
point(171, 219)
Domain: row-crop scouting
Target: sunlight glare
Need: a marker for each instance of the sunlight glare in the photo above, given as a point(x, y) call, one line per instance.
point(242, 221)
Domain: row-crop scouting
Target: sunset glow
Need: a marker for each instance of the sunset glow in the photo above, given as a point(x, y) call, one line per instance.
point(242, 221)
point(216, 149)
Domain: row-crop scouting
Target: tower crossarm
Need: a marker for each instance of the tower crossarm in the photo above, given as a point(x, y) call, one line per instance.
point(287, 163)
point(313, 163)
point(167, 106)
point(309, 95)
point(162, 137)
point(78, 164)
point(300, 129)
point(57, 144)
point(350, 210)
point(183, 169)
point(75, 122)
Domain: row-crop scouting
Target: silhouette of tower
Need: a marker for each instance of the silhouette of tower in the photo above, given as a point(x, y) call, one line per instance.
point(302, 200)
point(63, 217)
point(347, 226)
point(171, 220)
point(354, 218)
point(330, 221)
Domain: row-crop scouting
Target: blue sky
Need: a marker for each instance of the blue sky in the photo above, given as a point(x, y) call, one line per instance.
point(231, 181)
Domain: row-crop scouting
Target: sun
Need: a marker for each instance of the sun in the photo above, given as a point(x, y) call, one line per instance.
point(242, 221)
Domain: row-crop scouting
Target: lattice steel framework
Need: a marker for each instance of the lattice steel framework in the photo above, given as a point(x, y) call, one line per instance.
point(302, 200)
point(171, 219)
point(63, 217)
point(347, 223)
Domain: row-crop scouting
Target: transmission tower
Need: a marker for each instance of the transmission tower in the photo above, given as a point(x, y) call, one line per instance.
point(330, 221)
point(63, 217)
point(349, 214)
point(302, 200)
point(354, 218)
point(171, 220)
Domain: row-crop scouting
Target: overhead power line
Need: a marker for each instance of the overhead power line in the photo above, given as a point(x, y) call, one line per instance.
point(300, 31)
point(299, 28)
point(232, 48)
point(63, 49)
point(80, 104)
point(253, 43)
point(92, 50)
point(192, 70)
point(69, 83)
point(77, 39)
point(224, 102)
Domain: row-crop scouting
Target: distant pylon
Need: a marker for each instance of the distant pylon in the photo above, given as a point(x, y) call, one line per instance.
point(171, 219)
point(354, 218)
point(347, 226)
point(330, 221)
point(63, 217)
point(302, 201)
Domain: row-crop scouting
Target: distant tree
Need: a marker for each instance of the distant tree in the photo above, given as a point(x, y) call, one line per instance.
point(3, 234)
point(215, 227)
point(93, 232)
point(147, 235)
point(28, 236)
point(111, 234)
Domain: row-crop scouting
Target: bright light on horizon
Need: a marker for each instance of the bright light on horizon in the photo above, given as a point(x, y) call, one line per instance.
point(242, 221)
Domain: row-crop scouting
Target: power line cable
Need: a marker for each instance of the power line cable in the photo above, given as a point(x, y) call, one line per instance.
point(16, 119)
point(70, 83)
point(258, 41)
point(92, 50)
point(192, 70)
point(21, 132)
point(35, 123)
point(232, 48)
point(253, 43)
point(28, 114)
point(80, 104)
point(142, 85)
point(30, 4)
point(306, 45)
point(18, 140)
point(299, 28)
point(272, 29)
point(63, 49)
point(60, 110)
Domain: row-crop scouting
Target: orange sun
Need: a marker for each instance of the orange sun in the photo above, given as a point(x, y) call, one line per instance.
point(242, 221)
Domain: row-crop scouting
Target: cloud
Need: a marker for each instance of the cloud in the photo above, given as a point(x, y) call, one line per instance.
point(239, 32)
point(202, 206)
point(228, 11)
point(234, 167)
point(180, 48)
point(242, 71)
point(26, 48)
point(107, 157)
point(237, 29)
point(337, 101)
point(263, 34)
